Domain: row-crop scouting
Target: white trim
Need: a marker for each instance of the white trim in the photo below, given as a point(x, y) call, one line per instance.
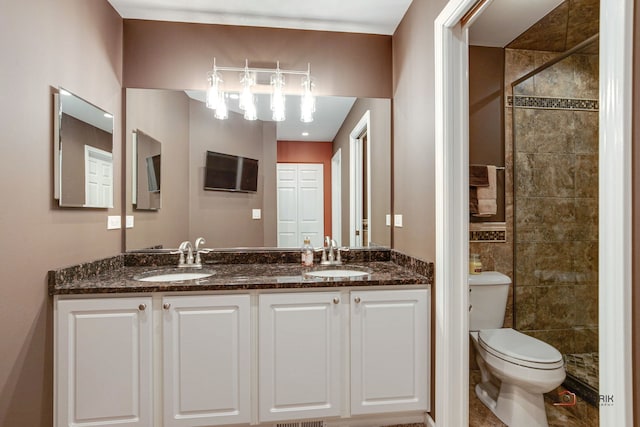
point(452, 225)
point(616, 53)
point(430, 422)
point(336, 196)
point(614, 296)
point(134, 168)
point(363, 125)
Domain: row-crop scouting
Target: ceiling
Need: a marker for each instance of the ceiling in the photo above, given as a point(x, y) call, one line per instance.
point(499, 24)
point(354, 16)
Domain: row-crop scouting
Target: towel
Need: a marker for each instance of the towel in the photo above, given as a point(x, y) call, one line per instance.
point(478, 176)
point(487, 204)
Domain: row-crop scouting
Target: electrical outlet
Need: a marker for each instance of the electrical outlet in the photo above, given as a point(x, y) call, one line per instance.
point(387, 220)
point(256, 214)
point(129, 221)
point(397, 220)
point(114, 222)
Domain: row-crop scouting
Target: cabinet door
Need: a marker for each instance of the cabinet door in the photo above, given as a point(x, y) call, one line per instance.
point(103, 362)
point(389, 351)
point(206, 360)
point(300, 354)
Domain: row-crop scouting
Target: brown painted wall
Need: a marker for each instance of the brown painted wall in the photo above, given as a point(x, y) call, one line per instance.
point(224, 218)
point(172, 55)
point(636, 218)
point(414, 140)
point(75, 44)
point(414, 130)
point(486, 116)
point(164, 116)
point(311, 152)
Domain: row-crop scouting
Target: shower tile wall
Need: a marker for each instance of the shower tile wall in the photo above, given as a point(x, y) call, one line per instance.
point(556, 189)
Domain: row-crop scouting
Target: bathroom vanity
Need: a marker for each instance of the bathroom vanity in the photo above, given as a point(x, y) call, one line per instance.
point(256, 343)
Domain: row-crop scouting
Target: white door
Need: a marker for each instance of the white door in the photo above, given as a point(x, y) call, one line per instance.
point(103, 362)
point(98, 174)
point(389, 351)
point(206, 360)
point(300, 353)
point(300, 204)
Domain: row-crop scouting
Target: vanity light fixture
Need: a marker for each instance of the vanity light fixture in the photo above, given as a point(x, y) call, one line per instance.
point(216, 99)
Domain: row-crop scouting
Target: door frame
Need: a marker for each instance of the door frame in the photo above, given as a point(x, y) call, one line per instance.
point(615, 203)
point(355, 147)
point(336, 196)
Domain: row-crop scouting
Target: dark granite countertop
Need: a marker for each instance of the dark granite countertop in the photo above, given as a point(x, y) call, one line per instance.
point(121, 279)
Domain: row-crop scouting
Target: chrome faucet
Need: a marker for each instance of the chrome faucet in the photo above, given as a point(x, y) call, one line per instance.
point(331, 252)
point(186, 246)
point(199, 241)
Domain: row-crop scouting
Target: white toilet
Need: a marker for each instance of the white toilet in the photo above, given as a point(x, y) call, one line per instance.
point(516, 368)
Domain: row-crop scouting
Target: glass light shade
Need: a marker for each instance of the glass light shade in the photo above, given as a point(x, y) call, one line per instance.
point(277, 97)
point(307, 102)
point(222, 112)
point(250, 112)
point(213, 90)
point(246, 96)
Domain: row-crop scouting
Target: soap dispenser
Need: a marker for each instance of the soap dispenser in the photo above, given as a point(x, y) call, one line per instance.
point(307, 253)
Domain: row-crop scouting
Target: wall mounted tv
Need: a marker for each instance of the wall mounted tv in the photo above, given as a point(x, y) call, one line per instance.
point(225, 172)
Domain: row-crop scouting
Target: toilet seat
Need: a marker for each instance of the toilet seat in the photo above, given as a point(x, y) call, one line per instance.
point(520, 349)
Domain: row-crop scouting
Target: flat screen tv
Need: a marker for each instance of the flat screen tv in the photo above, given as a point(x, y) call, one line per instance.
point(153, 173)
point(225, 172)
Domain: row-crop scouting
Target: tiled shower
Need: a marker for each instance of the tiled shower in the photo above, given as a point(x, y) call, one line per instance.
point(555, 155)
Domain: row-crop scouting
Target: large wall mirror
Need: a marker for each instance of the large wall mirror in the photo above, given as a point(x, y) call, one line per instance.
point(83, 153)
point(333, 173)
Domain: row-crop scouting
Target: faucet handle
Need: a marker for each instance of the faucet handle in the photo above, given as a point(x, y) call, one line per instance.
point(339, 250)
point(199, 241)
point(181, 260)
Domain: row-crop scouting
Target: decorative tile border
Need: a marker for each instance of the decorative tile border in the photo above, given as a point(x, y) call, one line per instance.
point(487, 236)
point(553, 103)
point(487, 232)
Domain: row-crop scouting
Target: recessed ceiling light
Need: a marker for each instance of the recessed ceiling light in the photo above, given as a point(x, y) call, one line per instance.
point(234, 96)
point(305, 133)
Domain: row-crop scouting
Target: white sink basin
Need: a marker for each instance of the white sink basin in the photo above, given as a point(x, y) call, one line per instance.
point(338, 273)
point(174, 276)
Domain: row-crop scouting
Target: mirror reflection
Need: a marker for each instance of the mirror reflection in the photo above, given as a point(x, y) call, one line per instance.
point(146, 163)
point(83, 153)
point(329, 177)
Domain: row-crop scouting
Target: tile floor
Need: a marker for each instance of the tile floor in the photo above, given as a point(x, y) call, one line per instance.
point(581, 415)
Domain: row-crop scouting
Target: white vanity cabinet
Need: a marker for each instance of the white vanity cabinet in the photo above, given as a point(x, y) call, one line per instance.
point(206, 360)
point(300, 353)
point(389, 351)
point(103, 362)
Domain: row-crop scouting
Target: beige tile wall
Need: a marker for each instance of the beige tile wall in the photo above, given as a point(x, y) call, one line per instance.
point(555, 159)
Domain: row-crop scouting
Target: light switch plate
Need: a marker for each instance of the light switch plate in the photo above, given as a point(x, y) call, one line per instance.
point(129, 221)
point(256, 214)
point(397, 220)
point(387, 220)
point(114, 222)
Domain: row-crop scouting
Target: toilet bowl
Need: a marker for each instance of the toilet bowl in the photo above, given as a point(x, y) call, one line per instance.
point(516, 369)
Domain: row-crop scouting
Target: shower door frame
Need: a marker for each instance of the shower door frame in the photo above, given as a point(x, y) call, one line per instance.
point(452, 229)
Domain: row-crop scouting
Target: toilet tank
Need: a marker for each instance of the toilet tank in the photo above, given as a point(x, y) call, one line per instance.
point(488, 292)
